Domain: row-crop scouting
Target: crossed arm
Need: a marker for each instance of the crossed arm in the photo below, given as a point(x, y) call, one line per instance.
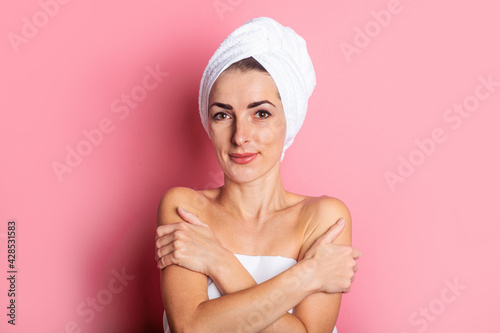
point(190, 252)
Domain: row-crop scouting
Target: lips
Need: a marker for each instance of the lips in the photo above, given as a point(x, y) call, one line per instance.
point(243, 158)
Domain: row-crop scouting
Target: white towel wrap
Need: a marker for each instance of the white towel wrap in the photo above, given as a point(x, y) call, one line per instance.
point(282, 53)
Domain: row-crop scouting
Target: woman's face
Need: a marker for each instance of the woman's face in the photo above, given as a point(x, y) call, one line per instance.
point(247, 124)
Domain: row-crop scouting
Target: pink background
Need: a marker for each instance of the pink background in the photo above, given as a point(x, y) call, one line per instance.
point(437, 225)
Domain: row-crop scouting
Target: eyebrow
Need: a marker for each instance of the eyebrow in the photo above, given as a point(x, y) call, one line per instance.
point(255, 104)
point(250, 106)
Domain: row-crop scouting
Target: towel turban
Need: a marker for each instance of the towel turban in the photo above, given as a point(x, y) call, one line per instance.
point(282, 52)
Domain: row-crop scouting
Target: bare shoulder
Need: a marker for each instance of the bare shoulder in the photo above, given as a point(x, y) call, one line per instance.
point(189, 199)
point(323, 212)
point(330, 209)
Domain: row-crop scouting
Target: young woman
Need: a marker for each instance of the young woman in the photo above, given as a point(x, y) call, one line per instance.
point(250, 256)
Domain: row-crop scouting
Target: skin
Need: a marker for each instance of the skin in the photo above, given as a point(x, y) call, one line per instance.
point(251, 214)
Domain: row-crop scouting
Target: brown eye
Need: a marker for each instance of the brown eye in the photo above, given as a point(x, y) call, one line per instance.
point(262, 114)
point(220, 116)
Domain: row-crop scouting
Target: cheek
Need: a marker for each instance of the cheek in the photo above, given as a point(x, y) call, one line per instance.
point(279, 129)
point(267, 135)
point(216, 141)
point(218, 136)
point(274, 135)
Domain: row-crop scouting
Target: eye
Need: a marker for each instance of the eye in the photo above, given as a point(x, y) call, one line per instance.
point(263, 114)
point(220, 116)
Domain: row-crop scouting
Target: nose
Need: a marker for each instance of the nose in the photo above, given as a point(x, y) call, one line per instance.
point(242, 132)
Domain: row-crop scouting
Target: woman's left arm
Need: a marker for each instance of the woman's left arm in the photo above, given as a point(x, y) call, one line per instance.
point(200, 251)
point(319, 311)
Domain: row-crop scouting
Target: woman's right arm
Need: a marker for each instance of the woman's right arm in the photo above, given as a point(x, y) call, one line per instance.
point(185, 298)
point(185, 292)
point(193, 245)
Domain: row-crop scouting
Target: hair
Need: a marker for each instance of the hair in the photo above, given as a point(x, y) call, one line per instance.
point(246, 65)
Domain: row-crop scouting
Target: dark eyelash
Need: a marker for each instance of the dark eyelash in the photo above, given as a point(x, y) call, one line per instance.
point(265, 111)
point(215, 116)
point(218, 114)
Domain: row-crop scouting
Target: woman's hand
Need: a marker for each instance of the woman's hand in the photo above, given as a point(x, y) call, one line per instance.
point(333, 265)
point(190, 244)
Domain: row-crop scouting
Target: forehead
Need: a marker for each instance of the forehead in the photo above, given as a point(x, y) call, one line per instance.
point(244, 86)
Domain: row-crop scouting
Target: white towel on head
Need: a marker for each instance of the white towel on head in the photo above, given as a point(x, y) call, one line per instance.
point(282, 53)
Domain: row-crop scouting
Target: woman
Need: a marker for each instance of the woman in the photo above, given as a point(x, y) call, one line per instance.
point(241, 257)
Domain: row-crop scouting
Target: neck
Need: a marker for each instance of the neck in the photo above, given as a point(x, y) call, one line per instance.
point(254, 200)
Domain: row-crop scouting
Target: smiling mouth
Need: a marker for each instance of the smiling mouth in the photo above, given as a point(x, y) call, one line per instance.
point(243, 158)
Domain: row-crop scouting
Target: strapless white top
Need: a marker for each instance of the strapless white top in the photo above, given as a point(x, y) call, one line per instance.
point(262, 268)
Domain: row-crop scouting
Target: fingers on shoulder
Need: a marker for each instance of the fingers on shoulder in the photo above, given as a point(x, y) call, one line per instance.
point(330, 210)
point(174, 197)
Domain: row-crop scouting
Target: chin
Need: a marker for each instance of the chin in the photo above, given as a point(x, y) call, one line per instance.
point(242, 176)
point(245, 173)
